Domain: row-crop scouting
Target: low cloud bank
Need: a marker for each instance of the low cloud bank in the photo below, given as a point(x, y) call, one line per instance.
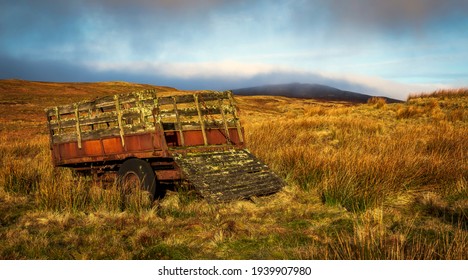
point(207, 75)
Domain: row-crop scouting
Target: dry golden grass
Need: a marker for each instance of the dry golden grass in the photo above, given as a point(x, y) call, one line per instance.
point(364, 182)
point(442, 93)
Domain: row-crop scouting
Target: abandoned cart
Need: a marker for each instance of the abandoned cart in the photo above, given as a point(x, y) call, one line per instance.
point(148, 139)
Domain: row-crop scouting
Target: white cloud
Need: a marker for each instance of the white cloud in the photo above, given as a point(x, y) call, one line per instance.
point(385, 87)
point(227, 69)
point(232, 70)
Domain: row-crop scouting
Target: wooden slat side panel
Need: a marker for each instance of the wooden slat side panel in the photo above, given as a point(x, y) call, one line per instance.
point(101, 133)
point(139, 112)
point(90, 120)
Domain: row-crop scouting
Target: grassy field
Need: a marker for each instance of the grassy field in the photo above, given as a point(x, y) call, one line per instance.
point(370, 181)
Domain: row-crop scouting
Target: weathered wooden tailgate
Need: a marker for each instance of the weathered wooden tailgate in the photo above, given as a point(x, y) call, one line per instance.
point(228, 175)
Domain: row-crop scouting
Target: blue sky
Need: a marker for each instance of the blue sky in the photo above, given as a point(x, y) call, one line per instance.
point(376, 47)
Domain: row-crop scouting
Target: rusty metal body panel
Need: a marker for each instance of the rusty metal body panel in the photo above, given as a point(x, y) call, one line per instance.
point(107, 149)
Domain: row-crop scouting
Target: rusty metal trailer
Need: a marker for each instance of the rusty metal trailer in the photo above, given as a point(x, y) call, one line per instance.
point(148, 138)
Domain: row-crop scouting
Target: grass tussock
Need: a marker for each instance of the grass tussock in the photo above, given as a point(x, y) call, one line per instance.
point(442, 105)
point(442, 93)
point(375, 181)
point(378, 102)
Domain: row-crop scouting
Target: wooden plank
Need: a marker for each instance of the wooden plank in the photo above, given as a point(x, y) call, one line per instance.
point(236, 117)
point(189, 98)
point(102, 133)
point(119, 118)
point(78, 128)
point(179, 126)
point(106, 117)
point(202, 123)
point(213, 95)
point(90, 113)
point(187, 125)
point(191, 112)
point(140, 105)
point(167, 100)
point(51, 135)
point(156, 114)
point(88, 135)
point(57, 116)
point(226, 128)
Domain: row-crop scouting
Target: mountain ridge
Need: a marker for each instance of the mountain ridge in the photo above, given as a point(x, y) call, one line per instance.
point(309, 91)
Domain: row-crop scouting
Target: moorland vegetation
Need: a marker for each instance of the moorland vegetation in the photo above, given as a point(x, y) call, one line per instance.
point(367, 181)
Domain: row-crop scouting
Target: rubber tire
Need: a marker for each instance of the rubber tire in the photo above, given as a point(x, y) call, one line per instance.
point(144, 172)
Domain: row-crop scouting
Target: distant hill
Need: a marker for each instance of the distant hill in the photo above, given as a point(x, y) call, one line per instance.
point(73, 88)
point(312, 91)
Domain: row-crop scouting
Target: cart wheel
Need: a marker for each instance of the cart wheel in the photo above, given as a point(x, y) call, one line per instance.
point(135, 174)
